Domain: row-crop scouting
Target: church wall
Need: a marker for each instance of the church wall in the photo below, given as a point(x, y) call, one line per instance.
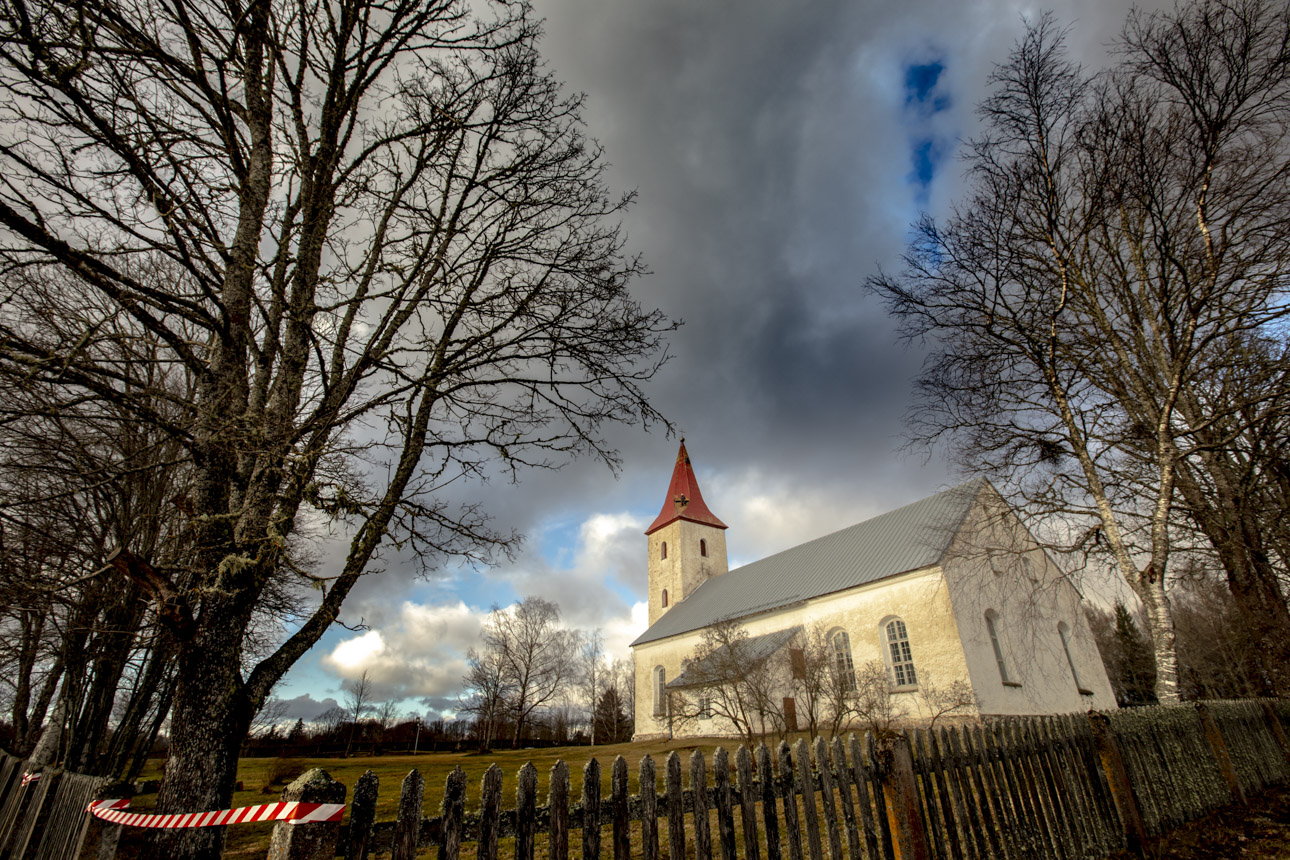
point(920, 599)
point(995, 567)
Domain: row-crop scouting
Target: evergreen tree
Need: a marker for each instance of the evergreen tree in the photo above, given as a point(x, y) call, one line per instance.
point(1134, 675)
point(612, 725)
point(297, 733)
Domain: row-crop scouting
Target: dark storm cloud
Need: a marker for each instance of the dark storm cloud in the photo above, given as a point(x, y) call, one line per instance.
point(780, 152)
point(776, 152)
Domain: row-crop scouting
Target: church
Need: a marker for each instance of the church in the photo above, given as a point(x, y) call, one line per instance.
point(949, 591)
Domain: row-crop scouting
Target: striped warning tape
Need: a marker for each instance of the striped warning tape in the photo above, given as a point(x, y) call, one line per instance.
point(291, 811)
point(30, 776)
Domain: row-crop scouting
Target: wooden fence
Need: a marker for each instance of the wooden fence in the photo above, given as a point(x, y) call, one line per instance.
point(1039, 787)
point(1052, 787)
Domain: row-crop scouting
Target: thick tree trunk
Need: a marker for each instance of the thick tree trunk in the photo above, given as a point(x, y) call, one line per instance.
point(32, 626)
point(130, 733)
point(111, 648)
point(210, 705)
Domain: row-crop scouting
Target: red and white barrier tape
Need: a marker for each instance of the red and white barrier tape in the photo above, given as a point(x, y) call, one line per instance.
point(30, 777)
point(290, 811)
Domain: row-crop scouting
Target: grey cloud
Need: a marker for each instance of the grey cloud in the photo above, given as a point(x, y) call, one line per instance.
point(771, 147)
point(306, 707)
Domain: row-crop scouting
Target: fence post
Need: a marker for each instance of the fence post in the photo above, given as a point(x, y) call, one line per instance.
point(316, 841)
point(110, 834)
point(1274, 724)
point(1117, 778)
point(1218, 746)
point(900, 793)
point(362, 817)
point(407, 826)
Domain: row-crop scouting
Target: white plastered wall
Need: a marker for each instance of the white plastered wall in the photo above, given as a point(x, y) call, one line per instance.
point(920, 599)
point(994, 565)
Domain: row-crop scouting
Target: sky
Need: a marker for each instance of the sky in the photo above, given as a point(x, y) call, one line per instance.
point(780, 149)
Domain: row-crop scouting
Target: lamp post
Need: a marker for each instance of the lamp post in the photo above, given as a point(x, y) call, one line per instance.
point(417, 742)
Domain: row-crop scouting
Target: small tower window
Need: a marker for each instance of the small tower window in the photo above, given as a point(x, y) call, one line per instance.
point(703, 548)
point(664, 555)
point(665, 597)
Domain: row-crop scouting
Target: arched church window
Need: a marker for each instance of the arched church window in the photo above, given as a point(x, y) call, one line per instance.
point(902, 659)
point(991, 625)
point(664, 549)
point(703, 547)
point(841, 645)
point(665, 597)
point(660, 681)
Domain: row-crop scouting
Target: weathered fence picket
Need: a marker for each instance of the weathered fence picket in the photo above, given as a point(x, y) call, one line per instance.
point(590, 810)
point(362, 817)
point(675, 807)
point(558, 803)
point(526, 812)
point(649, 813)
point(747, 803)
point(618, 806)
point(804, 787)
point(490, 797)
point(699, 790)
point(844, 780)
point(723, 800)
point(407, 827)
point(825, 770)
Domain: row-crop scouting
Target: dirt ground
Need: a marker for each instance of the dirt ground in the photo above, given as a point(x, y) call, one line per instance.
point(1260, 831)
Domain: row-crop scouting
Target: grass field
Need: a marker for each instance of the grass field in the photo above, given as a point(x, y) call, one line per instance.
point(257, 776)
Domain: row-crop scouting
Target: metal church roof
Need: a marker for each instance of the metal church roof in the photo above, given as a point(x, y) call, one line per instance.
point(683, 500)
point(906, 539)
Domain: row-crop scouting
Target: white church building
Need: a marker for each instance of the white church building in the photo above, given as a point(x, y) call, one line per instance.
point(949, 588)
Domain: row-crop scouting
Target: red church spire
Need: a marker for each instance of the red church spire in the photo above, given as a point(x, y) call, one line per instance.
point(684, 501)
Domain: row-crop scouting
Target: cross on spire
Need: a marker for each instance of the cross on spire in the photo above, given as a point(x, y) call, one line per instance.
point(683, 500)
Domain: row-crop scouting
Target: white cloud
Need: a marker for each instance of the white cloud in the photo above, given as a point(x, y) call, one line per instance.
point(421, 652)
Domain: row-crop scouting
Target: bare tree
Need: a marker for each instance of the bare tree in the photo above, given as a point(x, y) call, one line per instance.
point(730, 676)
point(268, 718)
point(875, 705)
point(358, 704)
point(385, 714)
point(486, 691)
point(943, 700)
point(377, 240)
point(823, 689)
point(592, 659)
point(1121, 234)
point(622, 677)
point(537, 659)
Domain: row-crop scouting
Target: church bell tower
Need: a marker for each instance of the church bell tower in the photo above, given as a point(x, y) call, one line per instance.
point(687, 543)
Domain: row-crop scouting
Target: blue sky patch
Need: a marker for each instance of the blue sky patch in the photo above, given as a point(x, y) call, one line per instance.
point(925, 97)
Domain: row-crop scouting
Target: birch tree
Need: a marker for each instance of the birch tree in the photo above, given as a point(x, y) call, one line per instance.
point(1121, 234)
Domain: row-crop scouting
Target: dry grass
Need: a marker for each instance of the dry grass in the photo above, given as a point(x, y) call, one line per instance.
point(251, 840)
